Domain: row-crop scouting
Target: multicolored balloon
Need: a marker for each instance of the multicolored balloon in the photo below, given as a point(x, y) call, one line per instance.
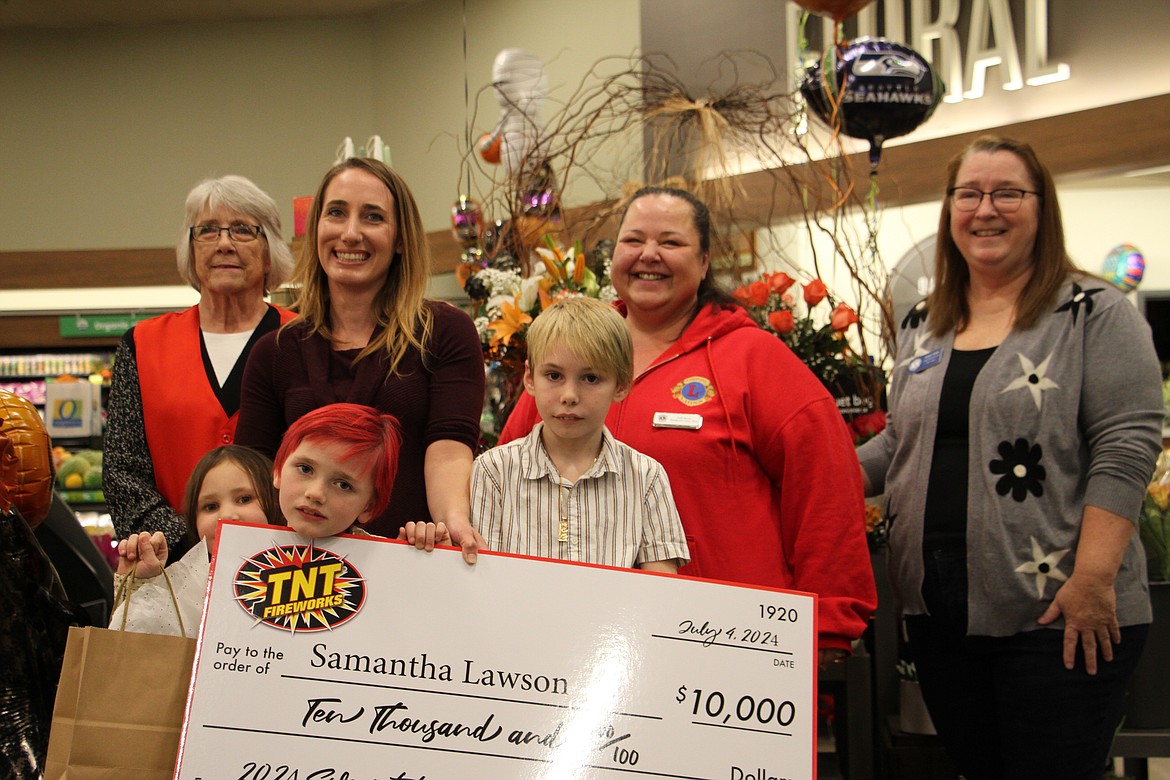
point(879, 90)
point(466, 222)
point(1124, 267)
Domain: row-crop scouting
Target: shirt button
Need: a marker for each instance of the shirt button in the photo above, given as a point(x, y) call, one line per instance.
point(227, 438)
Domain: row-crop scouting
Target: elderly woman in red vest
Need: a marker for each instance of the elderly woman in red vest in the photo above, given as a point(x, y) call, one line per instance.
point(176, 385)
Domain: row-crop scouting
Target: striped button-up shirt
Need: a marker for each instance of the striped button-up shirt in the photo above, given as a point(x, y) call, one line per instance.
point(619, 513)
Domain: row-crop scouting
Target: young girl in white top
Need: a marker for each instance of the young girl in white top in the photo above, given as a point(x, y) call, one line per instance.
point(228, 483)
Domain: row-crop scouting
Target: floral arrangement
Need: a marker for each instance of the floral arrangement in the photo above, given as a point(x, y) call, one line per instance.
point(1154, 522)
point(823, 347)
point(504, 304)
point(819, 340)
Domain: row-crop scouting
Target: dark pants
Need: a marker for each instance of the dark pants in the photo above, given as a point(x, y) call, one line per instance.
point(1005, 707)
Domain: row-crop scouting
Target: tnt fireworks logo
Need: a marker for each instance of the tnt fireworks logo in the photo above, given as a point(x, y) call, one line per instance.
point(299, 588)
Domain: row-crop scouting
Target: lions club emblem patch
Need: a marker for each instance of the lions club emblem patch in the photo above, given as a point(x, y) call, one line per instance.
point(693, 391)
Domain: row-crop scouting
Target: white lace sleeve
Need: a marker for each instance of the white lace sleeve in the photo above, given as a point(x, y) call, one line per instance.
point(150, 609)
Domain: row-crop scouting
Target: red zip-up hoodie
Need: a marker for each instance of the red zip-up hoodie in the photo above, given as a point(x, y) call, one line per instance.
point(760, 463)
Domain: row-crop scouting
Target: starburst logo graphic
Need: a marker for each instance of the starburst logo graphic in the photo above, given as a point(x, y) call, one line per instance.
point(299, 587)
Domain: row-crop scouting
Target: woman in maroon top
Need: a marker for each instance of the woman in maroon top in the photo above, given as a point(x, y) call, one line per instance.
point(366, 334)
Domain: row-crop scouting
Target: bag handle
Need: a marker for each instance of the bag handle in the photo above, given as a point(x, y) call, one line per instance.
point(127, 589)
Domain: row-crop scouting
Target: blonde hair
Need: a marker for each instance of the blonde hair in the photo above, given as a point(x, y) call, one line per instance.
point(400, 307)
point(592, 330)
point(235, 193)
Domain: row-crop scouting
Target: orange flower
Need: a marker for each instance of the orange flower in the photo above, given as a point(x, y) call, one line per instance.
point(814, 292)
point(842, 317)
point(754, 294)
point(780, 282)
point(512, 321)
point(579, 263)
point(1160, 494)
point(782, 321)
point(553, 259)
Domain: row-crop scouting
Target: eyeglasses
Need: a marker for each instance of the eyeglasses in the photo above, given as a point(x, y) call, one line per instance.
point(1005, 199)
point(237, 233)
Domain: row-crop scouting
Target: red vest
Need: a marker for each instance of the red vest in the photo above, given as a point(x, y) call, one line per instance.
point(182, 416)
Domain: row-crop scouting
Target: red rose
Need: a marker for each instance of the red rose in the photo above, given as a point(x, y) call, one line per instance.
point(754, 294)
point(780, 282)
point(814, 292)
point(782, 321)
point(842, 317)
point(868, 425)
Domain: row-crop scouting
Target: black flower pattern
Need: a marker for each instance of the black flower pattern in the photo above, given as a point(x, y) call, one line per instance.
point(915, 316)
point(1080, 297)
point(1019, 464)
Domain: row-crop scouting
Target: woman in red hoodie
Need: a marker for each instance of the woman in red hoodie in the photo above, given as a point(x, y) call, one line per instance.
point(762, 468)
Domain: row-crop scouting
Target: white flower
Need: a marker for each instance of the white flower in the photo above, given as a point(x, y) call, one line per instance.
point(1043, 566)
point(498, 282)
point(607, 294)
point(919, 348)
point(529, 292)
point(1033, 378)
point(482, 327)
point(493, 304)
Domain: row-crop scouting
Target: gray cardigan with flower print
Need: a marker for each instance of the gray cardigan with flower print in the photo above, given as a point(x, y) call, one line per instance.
point(1065, 414)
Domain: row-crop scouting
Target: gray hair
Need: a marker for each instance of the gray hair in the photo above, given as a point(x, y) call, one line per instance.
point(240, 195)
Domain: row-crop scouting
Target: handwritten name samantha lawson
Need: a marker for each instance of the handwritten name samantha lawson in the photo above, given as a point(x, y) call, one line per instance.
point(420, 667)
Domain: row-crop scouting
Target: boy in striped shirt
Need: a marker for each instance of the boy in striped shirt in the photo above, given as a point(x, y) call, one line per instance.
point(569, 490)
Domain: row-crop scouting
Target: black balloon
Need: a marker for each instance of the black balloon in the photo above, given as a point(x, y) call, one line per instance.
point(882, 90)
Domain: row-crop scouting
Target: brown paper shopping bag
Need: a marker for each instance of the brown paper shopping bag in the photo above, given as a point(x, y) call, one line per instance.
point(119, 707)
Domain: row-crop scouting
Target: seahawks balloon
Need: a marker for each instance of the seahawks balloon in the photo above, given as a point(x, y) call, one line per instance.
point(878, 90)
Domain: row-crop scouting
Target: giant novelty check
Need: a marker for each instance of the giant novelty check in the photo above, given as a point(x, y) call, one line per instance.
point(364, 659)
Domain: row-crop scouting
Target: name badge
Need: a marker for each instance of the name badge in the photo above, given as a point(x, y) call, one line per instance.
point(686, 422)
point(923, 362)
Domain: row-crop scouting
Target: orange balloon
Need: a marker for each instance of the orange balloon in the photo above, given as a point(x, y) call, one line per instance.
point(838, 10)
point(27, 471)
point(489, 147)
point(8, 464)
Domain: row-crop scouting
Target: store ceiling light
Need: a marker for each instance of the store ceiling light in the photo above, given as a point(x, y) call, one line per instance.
point(1160, 169)
point(97, 299)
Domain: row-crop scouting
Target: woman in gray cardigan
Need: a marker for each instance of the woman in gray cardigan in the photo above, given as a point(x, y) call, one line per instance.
point(1025, 411)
